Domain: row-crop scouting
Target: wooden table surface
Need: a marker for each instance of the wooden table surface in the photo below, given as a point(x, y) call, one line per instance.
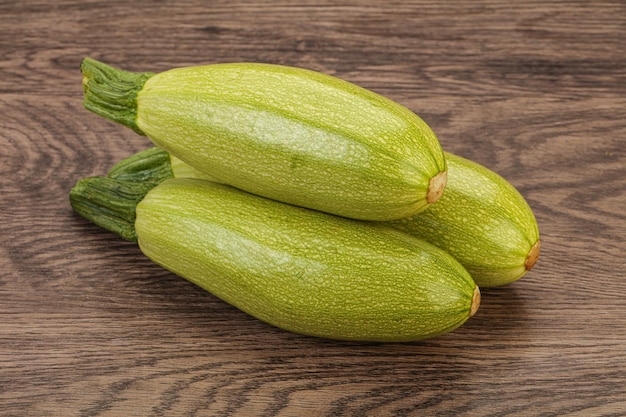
point(535, 90)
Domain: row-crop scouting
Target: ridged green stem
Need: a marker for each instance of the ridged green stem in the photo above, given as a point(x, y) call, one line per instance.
point(111, 93)
point(110, 203)
point(153, 165)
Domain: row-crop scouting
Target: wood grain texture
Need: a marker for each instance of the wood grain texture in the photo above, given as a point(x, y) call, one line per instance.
point(534, 90)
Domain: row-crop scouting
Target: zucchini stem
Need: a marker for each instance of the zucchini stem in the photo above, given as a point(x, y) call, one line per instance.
point(110, 203)
point(112, 93)
point(152, 165)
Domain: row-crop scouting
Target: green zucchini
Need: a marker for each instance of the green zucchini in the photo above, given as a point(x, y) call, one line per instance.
point(301, 270)
point(286, 133)
point(481, 219)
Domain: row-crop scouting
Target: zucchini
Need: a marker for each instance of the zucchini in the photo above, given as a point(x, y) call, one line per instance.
point(301, 270)
point(481, 219)
point(286, 133)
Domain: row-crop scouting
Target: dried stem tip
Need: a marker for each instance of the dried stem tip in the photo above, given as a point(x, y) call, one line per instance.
point(533, 255)
point(475, 301)
point(436, 186)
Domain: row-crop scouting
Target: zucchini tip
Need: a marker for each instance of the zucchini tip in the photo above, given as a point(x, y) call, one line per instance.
point(533, 255)
point(475, 301)
point(436, 186)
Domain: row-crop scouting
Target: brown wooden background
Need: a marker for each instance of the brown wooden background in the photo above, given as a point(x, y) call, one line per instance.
point(535, 90)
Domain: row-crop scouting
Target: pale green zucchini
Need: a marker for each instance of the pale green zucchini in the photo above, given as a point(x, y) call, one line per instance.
point(481, 219)
point(298, 269)
point(286, 133)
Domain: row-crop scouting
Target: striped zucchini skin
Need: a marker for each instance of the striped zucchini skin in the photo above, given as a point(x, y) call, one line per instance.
point(481, 218)
point(302, 270)
point(483, 221)
point(296, 136)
